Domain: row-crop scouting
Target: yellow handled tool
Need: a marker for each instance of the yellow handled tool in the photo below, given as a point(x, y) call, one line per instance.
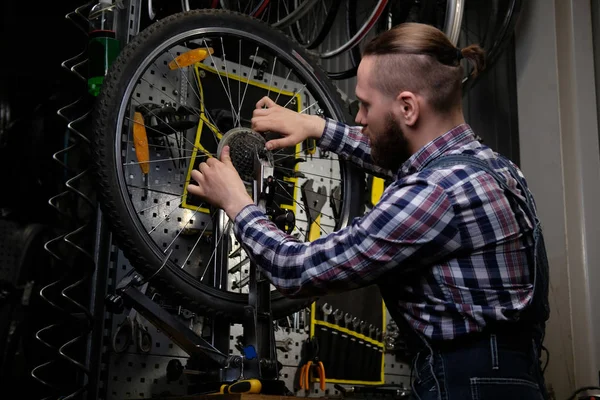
point(244, 386)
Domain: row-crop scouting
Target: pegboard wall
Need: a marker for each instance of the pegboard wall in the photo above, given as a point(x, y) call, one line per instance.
point(136, 375)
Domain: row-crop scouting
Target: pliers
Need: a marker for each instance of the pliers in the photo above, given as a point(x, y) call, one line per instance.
point(313, 363)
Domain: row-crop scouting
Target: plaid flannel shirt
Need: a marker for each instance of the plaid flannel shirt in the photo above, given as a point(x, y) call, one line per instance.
point(444, 246)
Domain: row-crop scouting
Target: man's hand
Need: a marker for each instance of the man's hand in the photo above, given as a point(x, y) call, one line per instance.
point(220, 184)
point(293, 126)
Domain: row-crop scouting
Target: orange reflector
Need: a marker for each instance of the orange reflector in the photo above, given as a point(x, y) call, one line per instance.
point(190, 57)
point(140, 141)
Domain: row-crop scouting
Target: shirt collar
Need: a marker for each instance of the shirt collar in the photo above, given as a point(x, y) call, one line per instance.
point(455, 137)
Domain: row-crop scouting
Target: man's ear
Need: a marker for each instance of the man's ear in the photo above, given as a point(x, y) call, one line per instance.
point(409, 108)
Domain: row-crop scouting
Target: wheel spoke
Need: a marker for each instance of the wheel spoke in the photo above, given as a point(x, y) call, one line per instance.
point(227, 227)
point(196, 243)
point(165, 218)
point(246, 88)
point(181, 230)
point(271, 79)
point(220, 79)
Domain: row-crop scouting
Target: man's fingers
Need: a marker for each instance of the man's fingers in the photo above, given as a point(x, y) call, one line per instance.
point(279, 143)
point(260, 112)
point(225, 156)
point(265, 101)
point(260, 124)
point(195, 190)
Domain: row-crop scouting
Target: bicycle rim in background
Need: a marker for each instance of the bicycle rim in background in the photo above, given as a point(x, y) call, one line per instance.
point(362, 20)
point(278, 13)
point(490, 24)
point(184, 111)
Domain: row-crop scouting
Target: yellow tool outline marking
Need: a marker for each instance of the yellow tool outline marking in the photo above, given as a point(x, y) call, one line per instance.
point(204, 120)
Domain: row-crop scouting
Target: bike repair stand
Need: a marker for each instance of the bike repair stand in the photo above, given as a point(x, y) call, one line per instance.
point(216, 369)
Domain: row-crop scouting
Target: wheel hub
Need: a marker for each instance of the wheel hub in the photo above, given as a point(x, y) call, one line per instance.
point(245, 146)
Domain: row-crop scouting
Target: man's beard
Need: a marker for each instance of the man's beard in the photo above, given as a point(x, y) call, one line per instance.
point(389, 149)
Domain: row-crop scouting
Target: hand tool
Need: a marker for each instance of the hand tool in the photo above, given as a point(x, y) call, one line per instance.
point(131, 330)
point(338, 315)
point(284, 344)
point(387, 391)
point(243, 386)
point(354, 350)
point(333, 352)
point(363, 327)
point(347, 321)
point(372, 331)
point(327, 311)
point(313, 204)
point(312, 365)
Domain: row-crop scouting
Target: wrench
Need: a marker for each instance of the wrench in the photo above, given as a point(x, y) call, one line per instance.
point(371, 331)
point(284, 344)
point(347, 320)
point(338, 315)
point(363, 327)
point(327, 311)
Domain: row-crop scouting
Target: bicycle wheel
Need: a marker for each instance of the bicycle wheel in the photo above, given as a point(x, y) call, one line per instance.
point(490, 24)
point(184, 112)
point(280, 14)
point(254, 8)
point(445, 15)
point(313, 28)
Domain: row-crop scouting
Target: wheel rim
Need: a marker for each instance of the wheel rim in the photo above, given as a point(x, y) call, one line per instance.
point(130, 175)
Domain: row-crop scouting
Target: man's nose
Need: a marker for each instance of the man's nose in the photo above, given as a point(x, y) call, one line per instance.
point(359, 117)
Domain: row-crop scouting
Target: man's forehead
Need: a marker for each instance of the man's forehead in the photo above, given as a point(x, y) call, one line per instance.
point(362, 77)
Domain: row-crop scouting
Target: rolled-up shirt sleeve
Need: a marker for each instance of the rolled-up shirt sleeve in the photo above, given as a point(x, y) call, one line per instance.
point(413, 224)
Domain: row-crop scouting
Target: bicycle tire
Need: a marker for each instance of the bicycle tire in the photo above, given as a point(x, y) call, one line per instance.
point(500, 40)
point(401, 12)
point(299, 36)
point(295, 15)
point(255, 12)
point(113, 196)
